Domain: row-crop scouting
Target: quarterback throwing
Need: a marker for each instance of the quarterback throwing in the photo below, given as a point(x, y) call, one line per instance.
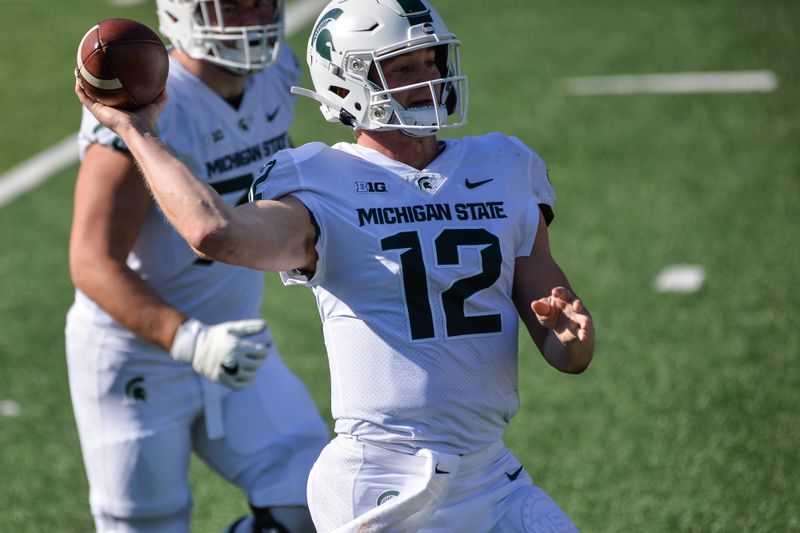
point(422, 254)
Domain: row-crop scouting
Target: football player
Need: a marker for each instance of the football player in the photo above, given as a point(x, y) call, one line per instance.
point(166, 352)
point(422, 253)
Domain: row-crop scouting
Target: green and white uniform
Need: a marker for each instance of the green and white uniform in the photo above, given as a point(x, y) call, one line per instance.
point(413, 286)
point(138, 412)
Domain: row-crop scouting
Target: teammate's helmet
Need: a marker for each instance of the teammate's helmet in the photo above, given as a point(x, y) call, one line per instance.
point(345, 50)
point(212, 30)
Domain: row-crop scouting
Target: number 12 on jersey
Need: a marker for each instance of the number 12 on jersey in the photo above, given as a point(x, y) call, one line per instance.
point(415, 280)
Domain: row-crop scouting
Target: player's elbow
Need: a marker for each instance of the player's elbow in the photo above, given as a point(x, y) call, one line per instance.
point(78, 272)
point(205, 239)
point(578, 360)
point(211, 240)
point(83, 266)
point(576, 367)
point(94, 272)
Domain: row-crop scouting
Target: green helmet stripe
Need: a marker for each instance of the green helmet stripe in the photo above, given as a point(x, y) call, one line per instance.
point(417, 11)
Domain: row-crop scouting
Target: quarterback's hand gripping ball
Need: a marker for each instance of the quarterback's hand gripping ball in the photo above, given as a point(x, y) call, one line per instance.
point(122, 63)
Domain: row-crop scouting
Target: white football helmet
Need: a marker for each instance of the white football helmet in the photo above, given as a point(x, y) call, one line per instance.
point(198, 28)
point(349, 41)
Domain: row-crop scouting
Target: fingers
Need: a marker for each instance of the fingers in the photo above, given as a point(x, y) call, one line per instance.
point(541, 307)
point(239, 371)
point(251, 352)
point(577, 313)
point(161, 100)
point(246, 328)
point(549, 307)
point(112, 117)
point(564, 313)
point(81, 94)
point(563, 295)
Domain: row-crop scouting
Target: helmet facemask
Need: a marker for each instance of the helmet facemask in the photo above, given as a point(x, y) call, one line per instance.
point(448, 95)
point(204, 30)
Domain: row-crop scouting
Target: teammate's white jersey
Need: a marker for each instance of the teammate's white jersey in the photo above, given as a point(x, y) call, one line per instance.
point(225, 147)
point(414, 281)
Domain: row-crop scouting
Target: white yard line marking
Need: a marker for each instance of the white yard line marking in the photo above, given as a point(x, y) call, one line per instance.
point(37, 169)
point(127, 2)
point(42, 166)
point(680, 278)
point(758, 81)
point(10, 408)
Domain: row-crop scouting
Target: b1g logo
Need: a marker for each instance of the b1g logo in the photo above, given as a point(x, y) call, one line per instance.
point(370, 186)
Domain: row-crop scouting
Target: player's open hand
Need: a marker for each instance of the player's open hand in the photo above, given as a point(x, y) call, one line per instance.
point(118, 119)
point(565, 314)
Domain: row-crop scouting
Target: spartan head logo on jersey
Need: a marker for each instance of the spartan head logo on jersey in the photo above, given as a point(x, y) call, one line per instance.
point(429, 182)
point(386, 496)
point(135, 391)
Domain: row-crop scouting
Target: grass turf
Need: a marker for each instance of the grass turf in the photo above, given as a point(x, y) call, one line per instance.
point(686, 420)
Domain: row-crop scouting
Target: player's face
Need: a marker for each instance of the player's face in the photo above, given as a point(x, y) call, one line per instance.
point(244, 12)
point(407, 69)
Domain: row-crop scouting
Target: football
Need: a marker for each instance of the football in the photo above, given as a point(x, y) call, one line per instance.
point(122, 63)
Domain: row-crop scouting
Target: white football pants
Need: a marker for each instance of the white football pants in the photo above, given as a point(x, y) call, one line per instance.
point(358, 487)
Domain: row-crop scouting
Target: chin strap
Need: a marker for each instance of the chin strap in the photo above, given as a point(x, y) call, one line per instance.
point(344, 117)
point(300, 91)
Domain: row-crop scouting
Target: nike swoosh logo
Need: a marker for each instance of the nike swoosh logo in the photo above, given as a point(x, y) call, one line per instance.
point(473, 184)
point(231, 370)
point(515, 475)
point(439, 471)
point(271, 116)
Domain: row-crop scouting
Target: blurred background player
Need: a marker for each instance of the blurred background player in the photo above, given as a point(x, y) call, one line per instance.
point(154, 330)
point(423, 256)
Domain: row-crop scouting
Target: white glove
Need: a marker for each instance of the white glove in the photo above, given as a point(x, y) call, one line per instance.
point(221, 352)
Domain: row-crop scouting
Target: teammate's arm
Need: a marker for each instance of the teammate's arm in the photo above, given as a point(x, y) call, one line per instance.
point(269, 235)
point(556, 318)
point(111, 202)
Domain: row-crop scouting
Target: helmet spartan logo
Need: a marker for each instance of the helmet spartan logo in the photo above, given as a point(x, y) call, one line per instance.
point(323, 40)
point(135, 391)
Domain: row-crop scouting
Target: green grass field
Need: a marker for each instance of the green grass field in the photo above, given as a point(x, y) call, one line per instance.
point(688, 418)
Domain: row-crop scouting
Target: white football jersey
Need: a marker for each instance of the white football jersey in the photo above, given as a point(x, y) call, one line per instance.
point(225, 147)
point(414, 281)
